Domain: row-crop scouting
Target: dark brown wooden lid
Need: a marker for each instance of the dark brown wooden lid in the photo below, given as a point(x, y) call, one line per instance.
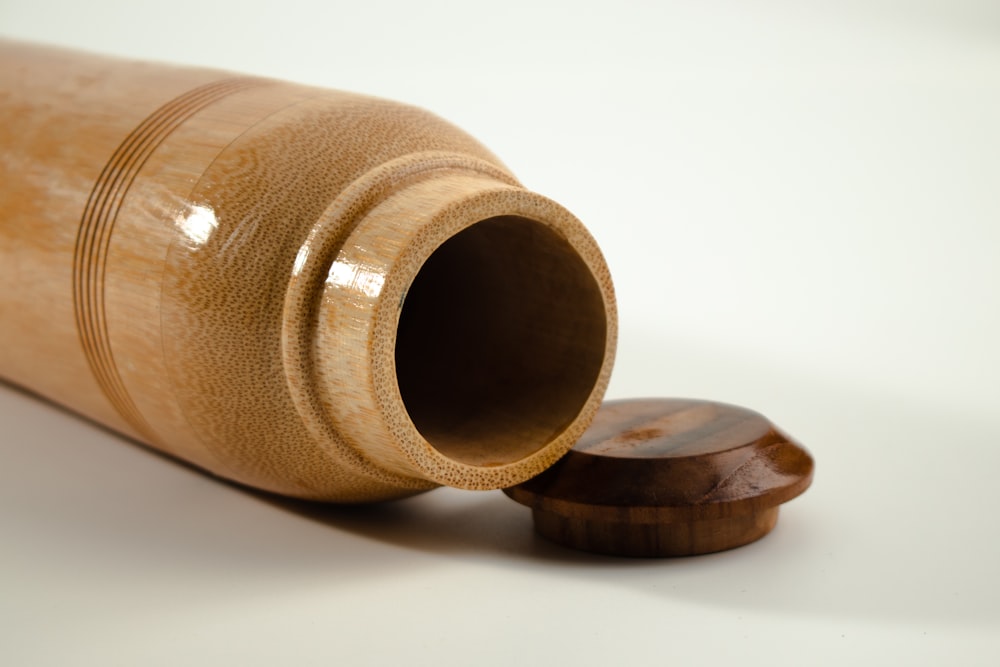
point(668, 477)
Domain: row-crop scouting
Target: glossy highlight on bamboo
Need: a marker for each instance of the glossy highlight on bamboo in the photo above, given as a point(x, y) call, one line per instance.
point(316, 293)
point(94, 235)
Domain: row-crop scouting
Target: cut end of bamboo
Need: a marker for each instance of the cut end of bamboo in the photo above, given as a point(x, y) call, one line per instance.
point(473, 324)
point(501, 342)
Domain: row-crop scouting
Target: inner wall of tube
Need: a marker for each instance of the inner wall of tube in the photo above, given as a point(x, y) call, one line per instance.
point(500, 341)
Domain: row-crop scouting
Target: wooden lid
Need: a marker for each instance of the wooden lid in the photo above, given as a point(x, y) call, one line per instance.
point(668, 477)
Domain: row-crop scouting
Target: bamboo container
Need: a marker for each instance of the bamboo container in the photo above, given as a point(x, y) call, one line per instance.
point(311, 292)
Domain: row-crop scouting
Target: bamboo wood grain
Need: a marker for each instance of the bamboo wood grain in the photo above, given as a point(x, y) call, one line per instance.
point(312, 292)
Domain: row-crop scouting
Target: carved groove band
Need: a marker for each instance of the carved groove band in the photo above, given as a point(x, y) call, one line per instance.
point(97, 224)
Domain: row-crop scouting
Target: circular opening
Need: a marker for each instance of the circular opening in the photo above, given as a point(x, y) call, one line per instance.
point(500, 341)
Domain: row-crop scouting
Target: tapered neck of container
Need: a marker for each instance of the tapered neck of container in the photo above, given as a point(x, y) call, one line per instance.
point(463, 328)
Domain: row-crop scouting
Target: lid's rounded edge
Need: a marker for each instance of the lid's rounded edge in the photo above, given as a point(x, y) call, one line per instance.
point(656, 540)
point(574, 507)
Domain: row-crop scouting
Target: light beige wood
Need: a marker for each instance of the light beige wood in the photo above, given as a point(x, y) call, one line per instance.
point(311, 292)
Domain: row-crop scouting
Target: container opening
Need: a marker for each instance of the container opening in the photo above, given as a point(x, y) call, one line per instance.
point(500, 341)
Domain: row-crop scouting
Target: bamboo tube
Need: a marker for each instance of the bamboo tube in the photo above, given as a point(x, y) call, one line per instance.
point(311, 292)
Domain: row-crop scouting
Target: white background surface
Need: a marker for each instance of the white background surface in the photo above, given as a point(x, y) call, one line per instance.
point(800, 206)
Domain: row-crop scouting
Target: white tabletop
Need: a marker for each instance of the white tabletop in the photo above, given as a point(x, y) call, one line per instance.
point(801, 212)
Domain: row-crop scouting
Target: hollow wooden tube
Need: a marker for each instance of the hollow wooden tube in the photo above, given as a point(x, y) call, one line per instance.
point(312, 292)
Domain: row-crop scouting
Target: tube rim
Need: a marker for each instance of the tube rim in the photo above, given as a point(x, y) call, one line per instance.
point(458, 216)
point(305, 289)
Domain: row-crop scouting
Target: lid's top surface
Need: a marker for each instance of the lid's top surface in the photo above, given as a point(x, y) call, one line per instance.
point(657, 428)
point(670, 462)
